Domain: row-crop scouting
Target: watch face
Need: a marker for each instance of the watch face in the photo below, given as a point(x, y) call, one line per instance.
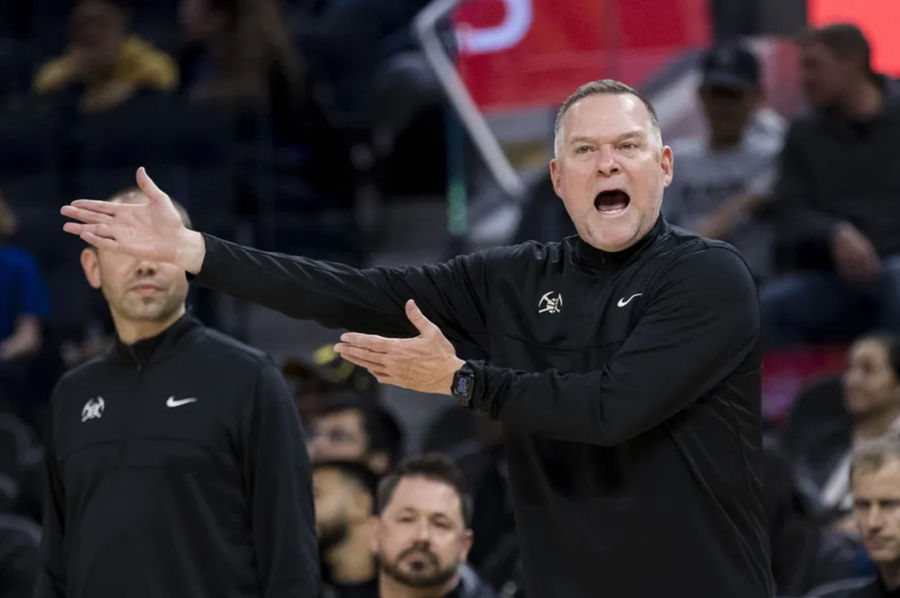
point(463, 385)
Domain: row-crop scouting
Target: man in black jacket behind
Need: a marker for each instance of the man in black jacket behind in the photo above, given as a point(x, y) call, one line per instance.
point(838, 200)
point(177, 464)
point(624, 362)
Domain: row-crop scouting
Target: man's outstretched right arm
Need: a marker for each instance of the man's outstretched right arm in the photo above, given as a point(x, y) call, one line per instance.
point(453, 295)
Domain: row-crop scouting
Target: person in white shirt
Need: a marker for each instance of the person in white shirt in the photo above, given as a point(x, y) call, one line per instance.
point(724, 180)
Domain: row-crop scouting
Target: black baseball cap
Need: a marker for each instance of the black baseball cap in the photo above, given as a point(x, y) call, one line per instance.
point(732, 66)
point(326, 366)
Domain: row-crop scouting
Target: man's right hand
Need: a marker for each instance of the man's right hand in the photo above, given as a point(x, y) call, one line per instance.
point(152, 230)
point(855, 258)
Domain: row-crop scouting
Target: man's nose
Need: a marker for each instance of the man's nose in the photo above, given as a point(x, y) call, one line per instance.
point(423, 533)
point(874, 519)
point(145, 267)
point(607, 164)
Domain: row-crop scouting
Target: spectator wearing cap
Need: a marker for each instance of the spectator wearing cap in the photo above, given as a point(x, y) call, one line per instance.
point(724, 179)
point(344, 493)
point(104, 66)
point(352, 427)
point(325, 370)
point(838, 197)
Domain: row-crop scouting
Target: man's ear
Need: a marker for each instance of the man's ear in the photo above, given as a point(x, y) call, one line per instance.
point(667, 161)
point(468, 539)
point(90, 263)
point(556, 177)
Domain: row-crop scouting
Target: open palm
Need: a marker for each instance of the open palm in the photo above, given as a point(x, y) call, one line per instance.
point(150, 230)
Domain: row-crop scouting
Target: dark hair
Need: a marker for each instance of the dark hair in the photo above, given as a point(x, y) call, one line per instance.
point(259, 44)
point(354, 472)
point(891, 344)
point(382, 429)
point(843, 40)
point(432, 466)
point(600, 87)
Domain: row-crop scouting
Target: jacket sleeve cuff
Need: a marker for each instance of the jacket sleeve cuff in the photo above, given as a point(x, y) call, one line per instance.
point(210, 267)
point(480, 400)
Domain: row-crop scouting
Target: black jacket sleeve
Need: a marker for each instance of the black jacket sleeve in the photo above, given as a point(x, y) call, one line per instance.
point(452, 294)
point(51, 577)
point(804, 233)
point(701, 321)
point(278, 475)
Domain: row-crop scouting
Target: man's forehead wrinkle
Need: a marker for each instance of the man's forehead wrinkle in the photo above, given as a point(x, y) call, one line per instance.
point(615, 137)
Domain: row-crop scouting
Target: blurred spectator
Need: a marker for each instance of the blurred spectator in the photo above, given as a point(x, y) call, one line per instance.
point(23, 295)
point(344, 493)
point(239, 54)
point(351, 40)
point(19, 540)
point(875, 478)
point(724, 181)
point(24, 301)
point(805, 552)
point(325, 370)
point(239, 51)
point(839, 197)
point(423, 532)
point(871, 397)
point(104, 66)
point(351, 427)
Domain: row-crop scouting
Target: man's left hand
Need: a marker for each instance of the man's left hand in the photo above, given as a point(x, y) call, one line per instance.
point(425, 363)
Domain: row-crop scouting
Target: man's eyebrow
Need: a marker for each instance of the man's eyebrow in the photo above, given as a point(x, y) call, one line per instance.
point(631, 134)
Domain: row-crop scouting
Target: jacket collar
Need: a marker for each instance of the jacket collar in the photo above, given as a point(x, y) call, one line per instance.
point(592, 258)
point(158, 347)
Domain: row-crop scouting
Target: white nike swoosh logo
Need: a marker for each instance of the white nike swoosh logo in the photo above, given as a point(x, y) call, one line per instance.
point(173, 403)
point(623, 301)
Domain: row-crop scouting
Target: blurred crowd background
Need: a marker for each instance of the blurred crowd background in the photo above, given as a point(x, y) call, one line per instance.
point(404, 131)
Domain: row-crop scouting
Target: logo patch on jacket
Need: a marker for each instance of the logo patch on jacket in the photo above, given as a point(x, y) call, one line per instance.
point(93, 409)
point(550, 303)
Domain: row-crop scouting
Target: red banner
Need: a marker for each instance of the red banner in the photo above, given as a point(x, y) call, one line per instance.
point(520, 53)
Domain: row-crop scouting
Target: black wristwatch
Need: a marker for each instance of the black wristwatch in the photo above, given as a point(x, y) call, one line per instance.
point(463, 385)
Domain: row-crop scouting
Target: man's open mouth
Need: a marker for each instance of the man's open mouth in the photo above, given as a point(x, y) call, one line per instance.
point(614, 200)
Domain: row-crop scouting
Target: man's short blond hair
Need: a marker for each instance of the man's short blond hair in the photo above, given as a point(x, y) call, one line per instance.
point(872, 455)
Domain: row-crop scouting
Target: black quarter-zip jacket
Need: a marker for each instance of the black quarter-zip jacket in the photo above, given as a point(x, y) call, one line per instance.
point(628, 385)
point(177, 468)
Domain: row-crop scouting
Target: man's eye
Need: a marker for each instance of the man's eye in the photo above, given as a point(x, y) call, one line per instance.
point(582, 149)
point(629, 145)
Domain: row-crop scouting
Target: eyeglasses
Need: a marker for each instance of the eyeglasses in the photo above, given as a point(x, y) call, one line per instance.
point(333, 435)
